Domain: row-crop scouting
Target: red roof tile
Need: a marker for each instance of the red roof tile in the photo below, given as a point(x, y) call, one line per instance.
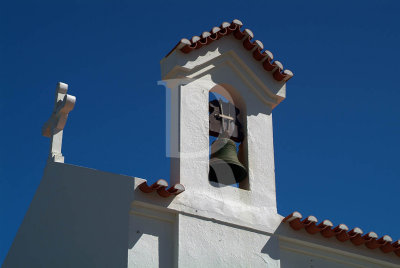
point(342, 233)
point(256, 47)
point(161, 187)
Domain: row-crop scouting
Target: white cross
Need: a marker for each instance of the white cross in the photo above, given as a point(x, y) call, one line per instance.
point(53, 128)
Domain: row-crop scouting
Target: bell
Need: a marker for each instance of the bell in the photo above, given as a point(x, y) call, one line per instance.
point(224, 164)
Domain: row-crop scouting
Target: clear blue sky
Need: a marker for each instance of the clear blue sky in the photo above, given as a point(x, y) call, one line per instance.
point(336, 135)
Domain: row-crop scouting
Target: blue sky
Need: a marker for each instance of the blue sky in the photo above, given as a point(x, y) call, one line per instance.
point(336, 135)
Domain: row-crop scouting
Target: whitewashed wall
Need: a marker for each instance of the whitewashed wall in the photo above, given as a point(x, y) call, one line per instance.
point(80, 217)
point(152, 238)
point(77, 218)
point(209, 243)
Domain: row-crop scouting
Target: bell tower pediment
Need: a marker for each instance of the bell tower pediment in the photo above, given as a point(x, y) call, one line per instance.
point(238, 54)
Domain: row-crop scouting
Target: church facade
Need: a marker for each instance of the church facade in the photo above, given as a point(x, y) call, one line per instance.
point(223, 86)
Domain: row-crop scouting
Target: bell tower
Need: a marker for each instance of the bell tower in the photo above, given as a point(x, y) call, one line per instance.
point(228, 62)
point(222, 87)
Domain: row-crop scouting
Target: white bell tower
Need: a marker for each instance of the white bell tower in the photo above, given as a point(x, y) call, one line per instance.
point(227, 61)
point(231, 66)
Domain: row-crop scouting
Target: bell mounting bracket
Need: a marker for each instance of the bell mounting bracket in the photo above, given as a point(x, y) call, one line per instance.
point(224, 121)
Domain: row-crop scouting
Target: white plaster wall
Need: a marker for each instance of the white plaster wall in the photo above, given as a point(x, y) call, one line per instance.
point(292, 259)
point(78, 218)
point(151, 238)
point(207, 243)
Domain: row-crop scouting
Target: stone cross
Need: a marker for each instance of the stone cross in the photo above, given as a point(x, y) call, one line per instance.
point(53, 128)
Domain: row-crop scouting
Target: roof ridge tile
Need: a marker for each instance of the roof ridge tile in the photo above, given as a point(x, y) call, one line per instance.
point(245, 36)
point(342, 233)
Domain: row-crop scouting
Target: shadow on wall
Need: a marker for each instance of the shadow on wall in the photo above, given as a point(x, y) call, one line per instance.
point(78, 218)
point(271, 248)
point(152, 238)
point(151, 241)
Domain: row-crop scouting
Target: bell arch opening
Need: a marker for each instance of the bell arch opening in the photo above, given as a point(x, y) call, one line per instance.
point(228, 161)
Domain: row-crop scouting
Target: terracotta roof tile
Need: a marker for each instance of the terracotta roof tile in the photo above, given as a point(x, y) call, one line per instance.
point(255, 47)
point(342, 233)
point(161, 187)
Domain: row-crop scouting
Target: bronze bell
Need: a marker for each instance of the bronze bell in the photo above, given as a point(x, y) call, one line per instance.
point(225, 166)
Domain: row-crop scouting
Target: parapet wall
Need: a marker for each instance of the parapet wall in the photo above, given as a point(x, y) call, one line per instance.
point(78, 218)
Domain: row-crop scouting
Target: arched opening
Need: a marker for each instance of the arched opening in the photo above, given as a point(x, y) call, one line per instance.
point(228, 138)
